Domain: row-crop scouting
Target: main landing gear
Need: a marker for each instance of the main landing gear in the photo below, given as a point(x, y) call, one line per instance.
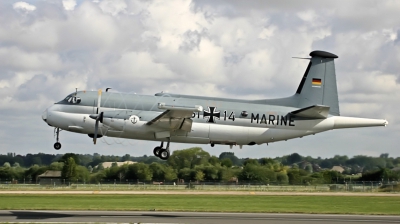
point(162, 153)
point(57, 145)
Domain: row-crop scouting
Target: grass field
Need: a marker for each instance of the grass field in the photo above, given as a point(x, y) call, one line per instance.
point(210, 203)
point(201, 187)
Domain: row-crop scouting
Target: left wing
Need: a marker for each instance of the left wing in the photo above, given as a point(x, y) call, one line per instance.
point(175, 117)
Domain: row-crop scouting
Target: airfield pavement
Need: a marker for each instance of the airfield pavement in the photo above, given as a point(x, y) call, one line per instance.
point(40, 216)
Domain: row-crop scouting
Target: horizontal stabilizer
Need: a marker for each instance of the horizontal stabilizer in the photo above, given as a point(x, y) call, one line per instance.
point(316, 112)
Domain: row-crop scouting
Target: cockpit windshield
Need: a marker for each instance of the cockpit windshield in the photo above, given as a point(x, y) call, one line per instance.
point(71, 99)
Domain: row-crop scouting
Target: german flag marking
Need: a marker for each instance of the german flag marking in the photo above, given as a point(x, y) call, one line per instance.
point(316, 82)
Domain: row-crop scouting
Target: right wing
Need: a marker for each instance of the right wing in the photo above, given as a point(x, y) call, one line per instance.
point(175, 117)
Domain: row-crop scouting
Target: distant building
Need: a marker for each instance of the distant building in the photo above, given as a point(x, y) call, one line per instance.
point(109, 164)
point(338, 169)
point(396, 169)
point(50, 177)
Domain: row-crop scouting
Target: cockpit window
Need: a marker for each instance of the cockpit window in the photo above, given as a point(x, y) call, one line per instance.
point(72, 99)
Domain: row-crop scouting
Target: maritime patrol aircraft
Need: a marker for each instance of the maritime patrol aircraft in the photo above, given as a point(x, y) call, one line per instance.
point(166, 118)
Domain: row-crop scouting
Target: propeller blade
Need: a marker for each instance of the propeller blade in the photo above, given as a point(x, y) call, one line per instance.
point(100, 118)
point(98, 101)
point(96, 126)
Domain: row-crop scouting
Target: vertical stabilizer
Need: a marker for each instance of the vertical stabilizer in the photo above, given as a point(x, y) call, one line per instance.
point(318, 86)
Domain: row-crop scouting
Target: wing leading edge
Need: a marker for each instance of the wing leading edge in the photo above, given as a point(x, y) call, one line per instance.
point(175, 117)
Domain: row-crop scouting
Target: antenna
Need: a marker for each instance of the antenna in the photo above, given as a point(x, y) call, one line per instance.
point(301, 58)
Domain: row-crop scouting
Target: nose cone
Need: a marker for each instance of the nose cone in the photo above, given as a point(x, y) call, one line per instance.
point(44, 115)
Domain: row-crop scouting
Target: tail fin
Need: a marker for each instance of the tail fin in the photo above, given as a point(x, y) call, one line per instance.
point(318, 86)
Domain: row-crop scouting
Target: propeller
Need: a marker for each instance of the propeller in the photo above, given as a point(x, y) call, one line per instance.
point(96, 126)
point(98, 117)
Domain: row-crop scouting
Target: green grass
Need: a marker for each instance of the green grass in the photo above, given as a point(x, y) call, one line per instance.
point(212, 203)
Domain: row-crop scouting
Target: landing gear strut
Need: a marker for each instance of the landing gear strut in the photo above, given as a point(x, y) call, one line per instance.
point(162, 153)
point(57, 145)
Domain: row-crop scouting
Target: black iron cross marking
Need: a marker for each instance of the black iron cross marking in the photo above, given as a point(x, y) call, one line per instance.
point(210, 114)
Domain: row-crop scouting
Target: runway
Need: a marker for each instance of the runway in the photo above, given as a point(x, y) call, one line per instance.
point(183, 217)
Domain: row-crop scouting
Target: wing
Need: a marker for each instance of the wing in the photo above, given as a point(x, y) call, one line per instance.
point(175, 117)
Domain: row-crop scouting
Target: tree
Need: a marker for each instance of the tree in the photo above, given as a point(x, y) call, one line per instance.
point(293, 158)
point(282, 178)
point(69, 170)
point(65, 157)
point(121, 175)
point(100, 166)
point(188, 158)
point(90, 169)
point(214, 160)
point(82, 174)
point(126, 157)
point(227, 174)
point(226, 162)
point(211, 172)
point(37, 160)
point(56, 166)
point(157, 170)
point(139, 171)
point(384, 155)
point(230, 155)
point(258, 173)
point(169, 174)
point(296, 176)
point(251, 161)
point(309, 168)
point(6, 164)
point(185, 174)
point(199, 175)
point(266, 161)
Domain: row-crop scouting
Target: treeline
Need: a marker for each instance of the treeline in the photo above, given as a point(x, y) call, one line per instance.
point(354, 165)
point(195, 164)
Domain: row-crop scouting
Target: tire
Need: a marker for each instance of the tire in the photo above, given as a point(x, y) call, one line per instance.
point(57, 146)
point(164, 154)
point(156, 151)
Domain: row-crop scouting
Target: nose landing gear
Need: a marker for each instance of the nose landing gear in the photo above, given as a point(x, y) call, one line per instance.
point(57, 145)
point(162, 153)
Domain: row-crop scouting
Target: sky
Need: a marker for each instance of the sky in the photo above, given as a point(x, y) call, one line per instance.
point(225, 48)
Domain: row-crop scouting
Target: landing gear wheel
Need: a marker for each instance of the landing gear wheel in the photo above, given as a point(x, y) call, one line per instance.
point(164, 154)
point(157, 150)
point(57, 145)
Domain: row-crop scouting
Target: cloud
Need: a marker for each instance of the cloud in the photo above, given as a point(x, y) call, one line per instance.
point(24, 7)
point(69, 5)
point(238, 49)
